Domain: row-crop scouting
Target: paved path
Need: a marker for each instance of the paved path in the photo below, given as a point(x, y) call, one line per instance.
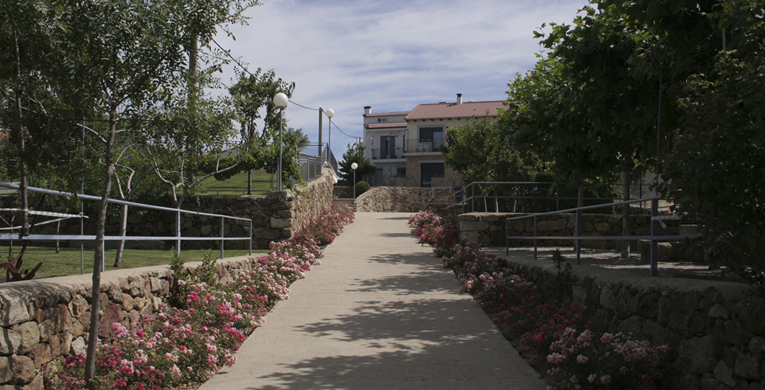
point(379, 313)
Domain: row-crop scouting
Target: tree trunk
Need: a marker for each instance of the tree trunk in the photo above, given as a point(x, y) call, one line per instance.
point(626, 211)
point(22, 164)
point(123, 231)
point(95, 303)
point(249, 182)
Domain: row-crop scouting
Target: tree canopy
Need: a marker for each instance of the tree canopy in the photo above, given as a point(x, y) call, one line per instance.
point(354, 154)
point(648, 84)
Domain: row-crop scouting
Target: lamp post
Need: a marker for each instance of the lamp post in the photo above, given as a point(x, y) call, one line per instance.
point(354, 166)
point(330, 113)
point(280, 100)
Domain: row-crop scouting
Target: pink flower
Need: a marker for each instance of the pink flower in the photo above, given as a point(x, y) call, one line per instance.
point(581, 359)
point(605, 380)
point(175, 370)
point(592, 378)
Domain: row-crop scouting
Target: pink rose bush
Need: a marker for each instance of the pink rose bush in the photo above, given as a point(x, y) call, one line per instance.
point(589, 360)
point(581, 356)
point(187, 344)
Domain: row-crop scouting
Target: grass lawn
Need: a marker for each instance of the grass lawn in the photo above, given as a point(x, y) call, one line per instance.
point(67, 262)
point(236, 185)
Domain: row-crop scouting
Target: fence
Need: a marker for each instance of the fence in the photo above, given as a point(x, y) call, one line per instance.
point(654, 237)
point(82, 237)
point(530, 197)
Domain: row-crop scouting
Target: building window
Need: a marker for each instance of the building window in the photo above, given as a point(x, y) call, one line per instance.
point(401, 171)
point(431, 138)
point(387, 146)
point(429, 171)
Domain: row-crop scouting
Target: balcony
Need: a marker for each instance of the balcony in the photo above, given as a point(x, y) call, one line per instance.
point(385, 154)
point(423, 146)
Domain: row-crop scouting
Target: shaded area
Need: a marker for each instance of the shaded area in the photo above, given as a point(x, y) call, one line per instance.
point(424, 275)
point(610, 259)
point(427, 343)
point(411, 371)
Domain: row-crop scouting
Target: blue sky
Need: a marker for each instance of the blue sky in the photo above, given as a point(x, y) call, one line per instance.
point(390, 55)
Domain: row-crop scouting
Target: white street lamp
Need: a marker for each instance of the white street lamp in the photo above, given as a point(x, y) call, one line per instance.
point(354, 166)
point(330, 113)
point(280, 100)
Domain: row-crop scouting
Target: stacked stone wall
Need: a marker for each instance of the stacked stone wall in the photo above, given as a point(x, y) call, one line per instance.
point(716, 330)
point(49, 318)
point(399, 199)
point(275, 217)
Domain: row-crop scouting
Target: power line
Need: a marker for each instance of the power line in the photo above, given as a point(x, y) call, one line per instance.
point(302, 106)
point(344, 133)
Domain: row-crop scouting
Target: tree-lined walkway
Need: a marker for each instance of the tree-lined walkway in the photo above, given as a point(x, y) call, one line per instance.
point(379, 313)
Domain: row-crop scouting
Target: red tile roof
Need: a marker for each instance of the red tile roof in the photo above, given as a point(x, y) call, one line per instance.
point(385, 125)
point(454, 110)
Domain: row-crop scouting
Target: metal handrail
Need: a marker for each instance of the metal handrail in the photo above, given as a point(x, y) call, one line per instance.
point(178, 238)
point(472, 197)
point(654, 237)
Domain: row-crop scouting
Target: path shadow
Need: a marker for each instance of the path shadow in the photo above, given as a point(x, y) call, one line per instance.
point(396, 218)
point(396, 235)
point(426, 276)
point(425, 343)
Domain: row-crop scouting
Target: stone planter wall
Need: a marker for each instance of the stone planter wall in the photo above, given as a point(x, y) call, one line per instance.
point(48, 318)
point(274, 217)
point(489, 228)
point(716, 330)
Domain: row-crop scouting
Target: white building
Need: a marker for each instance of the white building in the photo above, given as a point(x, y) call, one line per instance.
point(384, 135)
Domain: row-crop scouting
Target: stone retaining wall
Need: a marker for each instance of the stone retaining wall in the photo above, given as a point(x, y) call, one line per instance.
point(489, 228)
point(274, 217)
point(396, 199)
point(47, 318)
point(716, 330)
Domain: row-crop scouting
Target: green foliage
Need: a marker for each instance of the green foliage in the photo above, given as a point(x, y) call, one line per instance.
point(207, 272)
point(715, 173)
point(562, 284)
point(542, 120)
point(354, 154)
point(361, 187)
point(475, 151)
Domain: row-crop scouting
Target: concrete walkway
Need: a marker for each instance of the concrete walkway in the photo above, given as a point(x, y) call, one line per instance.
point(379, 313)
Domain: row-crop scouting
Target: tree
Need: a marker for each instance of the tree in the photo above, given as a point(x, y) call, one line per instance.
point(472, 151)
point(715, 173)
point(354, 154)
point(543, 119)
point(252, 94)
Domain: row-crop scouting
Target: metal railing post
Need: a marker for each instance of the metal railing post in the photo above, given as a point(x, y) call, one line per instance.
point(578, 244)
point(535, 237)
point(654, 233)
point(250, 233)
point(507, 234)
point(472, 197)
point(221, 237)
point(178, 232)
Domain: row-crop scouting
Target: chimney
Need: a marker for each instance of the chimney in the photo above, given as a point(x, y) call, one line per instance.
point(367, 110)
point(459, 98)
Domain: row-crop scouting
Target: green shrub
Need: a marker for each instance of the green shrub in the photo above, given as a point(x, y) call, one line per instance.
point(361, 187)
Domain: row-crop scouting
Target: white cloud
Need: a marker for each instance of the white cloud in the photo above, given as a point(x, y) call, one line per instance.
point(391, 55)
